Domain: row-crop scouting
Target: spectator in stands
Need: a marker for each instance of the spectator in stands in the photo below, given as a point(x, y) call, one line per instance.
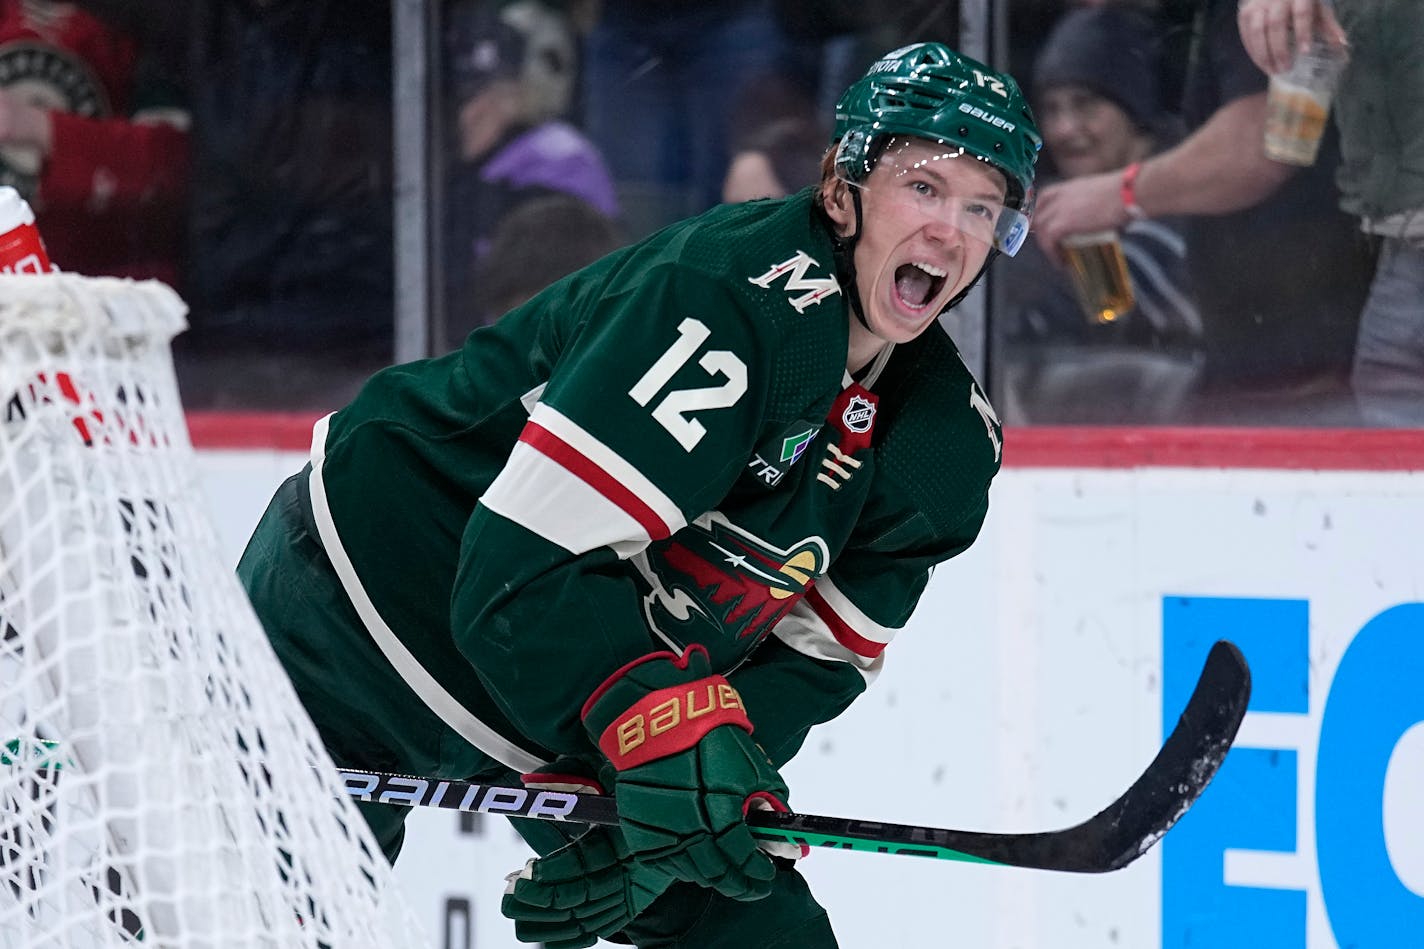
point(534, 245)
point(1095, 94)
point(92, 133)
point(1379, 110)
point(778, 158)
point(1030, 22)
point(660, 80)
point(1277, 271)
point(510, 73)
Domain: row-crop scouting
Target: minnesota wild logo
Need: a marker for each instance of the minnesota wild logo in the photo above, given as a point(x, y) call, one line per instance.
point(720, 585)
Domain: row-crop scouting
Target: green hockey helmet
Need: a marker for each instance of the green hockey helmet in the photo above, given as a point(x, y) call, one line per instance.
point(930, 91)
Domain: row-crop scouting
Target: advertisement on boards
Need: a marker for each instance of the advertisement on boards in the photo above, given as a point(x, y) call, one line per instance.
point(1039, 676)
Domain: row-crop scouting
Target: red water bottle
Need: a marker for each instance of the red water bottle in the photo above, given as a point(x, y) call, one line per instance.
point(21, 250)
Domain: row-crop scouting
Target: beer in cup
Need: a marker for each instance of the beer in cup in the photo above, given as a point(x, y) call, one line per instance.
point(1298, 104)
point(1100, 276)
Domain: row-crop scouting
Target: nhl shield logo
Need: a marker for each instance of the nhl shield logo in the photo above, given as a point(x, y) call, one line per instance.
point(853, 415)
point(859, 415)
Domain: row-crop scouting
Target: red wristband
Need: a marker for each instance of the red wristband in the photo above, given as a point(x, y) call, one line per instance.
point(670, 720)
point(1129, 192)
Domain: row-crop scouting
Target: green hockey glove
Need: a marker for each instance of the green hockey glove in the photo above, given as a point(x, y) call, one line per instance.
point(686, 771)
point(588, 890)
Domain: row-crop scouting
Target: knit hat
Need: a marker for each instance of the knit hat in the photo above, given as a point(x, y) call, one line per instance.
point(1109, 50)
point(479, 47)
point(525, 40)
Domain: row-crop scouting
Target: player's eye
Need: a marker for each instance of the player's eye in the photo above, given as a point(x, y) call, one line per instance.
point(979, 210)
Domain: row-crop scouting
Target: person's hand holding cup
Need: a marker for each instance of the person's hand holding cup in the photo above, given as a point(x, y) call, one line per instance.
point(1298, 104)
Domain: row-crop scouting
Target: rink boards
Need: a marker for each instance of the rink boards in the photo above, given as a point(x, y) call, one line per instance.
point(1040, 674)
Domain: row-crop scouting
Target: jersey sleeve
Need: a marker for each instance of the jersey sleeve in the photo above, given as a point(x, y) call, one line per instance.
point(787, 693)
point(650, 412)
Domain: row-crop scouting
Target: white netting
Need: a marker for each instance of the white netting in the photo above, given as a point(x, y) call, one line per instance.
point(160, 785)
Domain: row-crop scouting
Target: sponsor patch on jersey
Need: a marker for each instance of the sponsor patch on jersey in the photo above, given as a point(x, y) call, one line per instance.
point(775, 456)
point(793, 446)
point(764, 472)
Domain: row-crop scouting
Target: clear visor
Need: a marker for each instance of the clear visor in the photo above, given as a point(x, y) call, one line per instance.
point(939, 184)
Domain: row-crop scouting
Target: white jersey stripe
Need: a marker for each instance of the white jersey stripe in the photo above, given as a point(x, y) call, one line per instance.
point(543, 496)
point(808, 634)
point(431, 692)
point(611, 462)
point(850, 614)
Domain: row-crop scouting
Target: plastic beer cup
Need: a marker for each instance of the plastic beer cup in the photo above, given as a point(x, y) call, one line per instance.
point(1298, 104)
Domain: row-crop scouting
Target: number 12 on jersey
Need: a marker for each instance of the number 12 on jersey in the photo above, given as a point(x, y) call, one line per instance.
point(674, 410)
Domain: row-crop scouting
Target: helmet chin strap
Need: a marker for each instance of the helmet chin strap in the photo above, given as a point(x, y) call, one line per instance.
point(843, 248)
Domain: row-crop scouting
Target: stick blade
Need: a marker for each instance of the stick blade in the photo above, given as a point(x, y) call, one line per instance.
point(1185, 765)
point(1116, 836)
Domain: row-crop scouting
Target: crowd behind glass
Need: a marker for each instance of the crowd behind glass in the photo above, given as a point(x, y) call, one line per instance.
point(562, 129)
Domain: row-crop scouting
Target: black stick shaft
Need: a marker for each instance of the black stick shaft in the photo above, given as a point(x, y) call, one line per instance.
point(1113, 838)
point(410, 791)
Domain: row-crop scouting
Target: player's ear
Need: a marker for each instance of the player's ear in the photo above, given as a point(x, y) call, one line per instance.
point(835, 195)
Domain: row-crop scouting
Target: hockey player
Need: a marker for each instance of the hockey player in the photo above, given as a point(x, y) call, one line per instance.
point(652, 526)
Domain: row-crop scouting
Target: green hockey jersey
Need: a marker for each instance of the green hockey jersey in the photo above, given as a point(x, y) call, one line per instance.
point(661, 449)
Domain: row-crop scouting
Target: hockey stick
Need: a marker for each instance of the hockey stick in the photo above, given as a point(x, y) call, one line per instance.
point(1112, 839)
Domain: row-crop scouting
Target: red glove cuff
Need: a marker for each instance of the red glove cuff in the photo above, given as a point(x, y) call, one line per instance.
point(766, 801)
point(677, 661)
point(671, 720)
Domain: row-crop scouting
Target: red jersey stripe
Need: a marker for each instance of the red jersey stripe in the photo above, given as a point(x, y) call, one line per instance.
point(846, 636)
point(580, 466)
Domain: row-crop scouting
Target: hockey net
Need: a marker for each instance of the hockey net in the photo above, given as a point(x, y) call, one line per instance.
point(160, 784)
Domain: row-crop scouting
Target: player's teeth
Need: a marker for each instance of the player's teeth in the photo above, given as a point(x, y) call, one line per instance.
point(931, 269)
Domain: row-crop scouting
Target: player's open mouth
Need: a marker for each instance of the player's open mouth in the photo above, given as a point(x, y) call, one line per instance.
point(918, 283)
